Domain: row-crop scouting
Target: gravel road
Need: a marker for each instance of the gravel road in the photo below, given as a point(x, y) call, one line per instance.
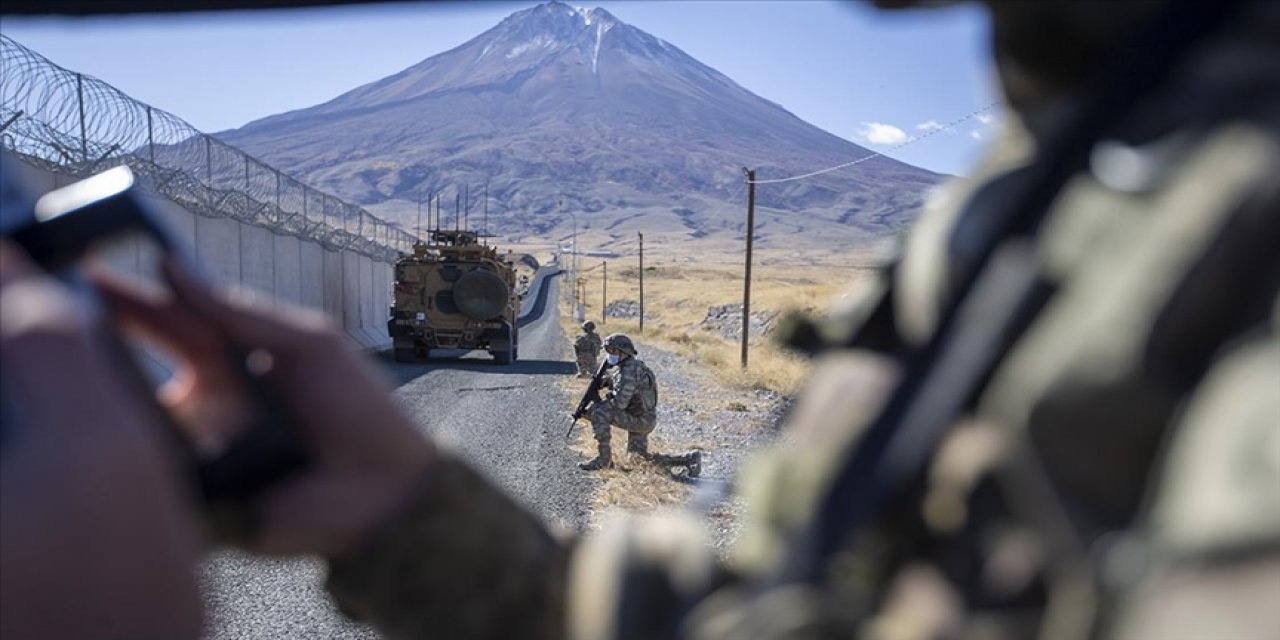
point(508, 421)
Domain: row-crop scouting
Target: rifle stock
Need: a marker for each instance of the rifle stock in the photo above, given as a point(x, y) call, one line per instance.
point(589, 397)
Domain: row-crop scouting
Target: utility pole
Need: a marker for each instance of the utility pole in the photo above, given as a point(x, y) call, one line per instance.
point(466, 206)
point(641, 281)
point(573, 257)
point(484, 227)
point(419, 232)
point(604, 291)
point(746, 284)
point(457, 212)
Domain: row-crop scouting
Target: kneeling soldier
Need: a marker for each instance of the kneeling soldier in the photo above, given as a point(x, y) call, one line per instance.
point(631, 405)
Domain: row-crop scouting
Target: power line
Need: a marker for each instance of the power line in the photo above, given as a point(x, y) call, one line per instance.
point(911, 140)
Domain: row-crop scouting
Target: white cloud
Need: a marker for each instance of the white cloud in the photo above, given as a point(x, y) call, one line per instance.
point(880, 133)
point(929, 126)
point(989, 124)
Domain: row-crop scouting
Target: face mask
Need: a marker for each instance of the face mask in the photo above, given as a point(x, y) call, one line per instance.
point(613, 359)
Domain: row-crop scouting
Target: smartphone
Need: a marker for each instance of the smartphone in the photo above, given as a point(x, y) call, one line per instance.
point(103, 220)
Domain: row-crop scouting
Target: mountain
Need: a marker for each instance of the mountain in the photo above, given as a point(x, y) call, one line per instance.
point(566, 110)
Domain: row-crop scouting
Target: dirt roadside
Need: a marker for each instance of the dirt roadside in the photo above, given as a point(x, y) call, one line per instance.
point(695, 412)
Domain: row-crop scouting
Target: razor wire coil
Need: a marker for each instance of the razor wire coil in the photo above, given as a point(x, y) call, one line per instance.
point(76, 125)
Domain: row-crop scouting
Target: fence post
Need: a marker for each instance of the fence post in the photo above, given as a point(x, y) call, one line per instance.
point(84, 127)
point(151, 136)
point(279, 211)
point(10, 121)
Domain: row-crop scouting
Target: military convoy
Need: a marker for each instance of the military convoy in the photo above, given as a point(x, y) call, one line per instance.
point(454, 293)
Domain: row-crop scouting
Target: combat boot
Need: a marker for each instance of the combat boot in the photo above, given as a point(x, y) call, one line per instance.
point(693, 466)
point(639, 447)
point(603, 460)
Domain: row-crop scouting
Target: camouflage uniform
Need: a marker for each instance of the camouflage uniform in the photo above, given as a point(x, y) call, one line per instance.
point(631, 406)
point(587, 349)
point(1117, 477)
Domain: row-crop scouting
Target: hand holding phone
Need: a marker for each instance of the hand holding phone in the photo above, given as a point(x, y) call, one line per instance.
point(96, 526)
point(291, 436)
point(365, 457)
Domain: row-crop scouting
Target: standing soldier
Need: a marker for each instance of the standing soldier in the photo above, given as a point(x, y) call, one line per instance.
point(632, 406)
point(587, 347)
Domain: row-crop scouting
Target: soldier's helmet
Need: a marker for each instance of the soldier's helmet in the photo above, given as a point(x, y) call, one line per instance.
point(621, 343)
point(588, 326)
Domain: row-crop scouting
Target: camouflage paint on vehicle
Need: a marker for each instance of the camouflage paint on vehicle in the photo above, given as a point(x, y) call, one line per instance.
point(454, 293)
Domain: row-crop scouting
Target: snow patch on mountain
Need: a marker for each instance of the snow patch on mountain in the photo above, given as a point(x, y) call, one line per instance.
point(526, 107)
point(539, 42)
point(601, 29)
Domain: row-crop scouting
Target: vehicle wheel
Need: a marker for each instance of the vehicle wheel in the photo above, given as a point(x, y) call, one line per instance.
point(504, 355)
point(404, 355)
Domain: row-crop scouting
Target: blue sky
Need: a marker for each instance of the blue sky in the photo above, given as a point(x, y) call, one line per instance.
point(877, 78)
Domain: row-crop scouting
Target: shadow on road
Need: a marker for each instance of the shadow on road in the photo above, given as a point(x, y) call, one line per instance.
point(405, 372)
point(540, 304)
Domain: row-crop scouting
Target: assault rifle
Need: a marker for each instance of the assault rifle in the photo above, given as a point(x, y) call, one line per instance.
point(589, 397)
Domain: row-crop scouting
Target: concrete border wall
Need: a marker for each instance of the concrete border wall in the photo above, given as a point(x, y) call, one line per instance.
point(351, 288)
point(311, 276)
point(287, 269)
point(257, 260)
point(217, 244)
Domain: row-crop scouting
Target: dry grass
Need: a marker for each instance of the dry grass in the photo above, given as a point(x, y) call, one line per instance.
point(679, 290)
point(678, 295)
point(632, 485)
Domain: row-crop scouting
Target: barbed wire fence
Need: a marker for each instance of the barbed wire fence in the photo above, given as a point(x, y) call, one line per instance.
point(76, 125)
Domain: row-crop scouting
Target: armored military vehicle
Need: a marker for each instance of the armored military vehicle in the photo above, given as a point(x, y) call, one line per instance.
point(454, 293)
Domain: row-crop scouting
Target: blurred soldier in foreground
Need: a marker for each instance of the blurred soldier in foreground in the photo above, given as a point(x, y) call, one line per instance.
point(631, 405)
point(587, 349)
point(1112, 475)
